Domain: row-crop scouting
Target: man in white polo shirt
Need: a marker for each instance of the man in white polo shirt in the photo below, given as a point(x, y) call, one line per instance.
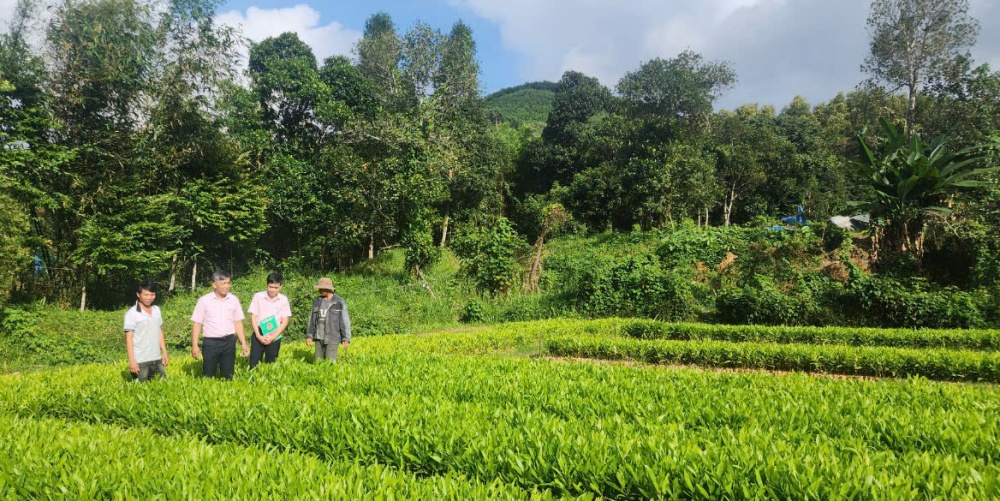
point(144, 343)
point(218, 315)
point(269, 313)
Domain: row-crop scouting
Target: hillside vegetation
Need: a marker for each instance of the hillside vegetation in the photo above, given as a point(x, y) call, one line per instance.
point(524, 104)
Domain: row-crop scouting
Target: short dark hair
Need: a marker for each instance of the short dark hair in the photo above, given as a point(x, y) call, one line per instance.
point(146, 285)
point(221, 274)
point(274, 278)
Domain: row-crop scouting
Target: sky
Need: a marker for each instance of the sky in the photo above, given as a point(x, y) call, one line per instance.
point(778, 48)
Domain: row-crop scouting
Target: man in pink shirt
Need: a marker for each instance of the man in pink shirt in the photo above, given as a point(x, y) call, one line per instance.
point(218, 315)
point(269, 313)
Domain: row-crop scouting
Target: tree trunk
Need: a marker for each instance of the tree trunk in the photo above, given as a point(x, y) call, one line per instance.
point(727, 207)
point(535, 271)
point(371, 247)
point(911, 109)
point(194, 274)
point(423, 280)
point(322, 257)
point(173, 273)
point(444, 232)
point(83, 297)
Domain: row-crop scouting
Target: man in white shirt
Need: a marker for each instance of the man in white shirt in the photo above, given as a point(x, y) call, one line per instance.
point(144, 341)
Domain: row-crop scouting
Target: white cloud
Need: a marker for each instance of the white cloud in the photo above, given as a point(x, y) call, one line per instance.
point(6, 11)
point(325, 39)
point(779, 48)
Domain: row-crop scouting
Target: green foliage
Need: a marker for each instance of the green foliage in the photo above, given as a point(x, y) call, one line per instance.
point(523, 104)
point(419, 244)
point(890, 302)
point(912, 182)
point(954, 339)
point(637, 286)
point(855, 361)
point(677, 93)
point(105, 467)
point(15, 257)
point(468, 421)
point(28, 340)
point(490, 254)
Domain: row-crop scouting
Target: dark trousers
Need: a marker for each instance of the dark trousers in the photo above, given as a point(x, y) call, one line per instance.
point(219, 352)
point(325, 351)
point(257, 350)
point(149, 370)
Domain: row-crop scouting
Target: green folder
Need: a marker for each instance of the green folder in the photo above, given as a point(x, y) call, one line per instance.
point(269, 325)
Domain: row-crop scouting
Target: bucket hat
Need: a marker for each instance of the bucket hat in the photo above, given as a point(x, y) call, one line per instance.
point(324, 283)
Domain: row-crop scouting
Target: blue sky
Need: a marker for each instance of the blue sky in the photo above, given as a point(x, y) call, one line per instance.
point(498, 66)
point(778, 48)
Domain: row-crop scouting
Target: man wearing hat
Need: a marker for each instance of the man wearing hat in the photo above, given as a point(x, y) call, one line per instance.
point(329, 324)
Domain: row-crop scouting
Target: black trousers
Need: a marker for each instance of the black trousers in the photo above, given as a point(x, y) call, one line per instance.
point(219, 353)
point(257, 350)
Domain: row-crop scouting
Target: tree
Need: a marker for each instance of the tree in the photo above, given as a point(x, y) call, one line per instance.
point(678, 92)
point(911, 40)
point(966, 104)
point(747, 146)
point(420, 59)
point(102, 55)
point(458, 135)
point(380, 52)
point(912, 183)
point(284, 75)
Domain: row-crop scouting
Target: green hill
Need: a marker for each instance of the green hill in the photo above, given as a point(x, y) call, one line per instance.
point(525, 103)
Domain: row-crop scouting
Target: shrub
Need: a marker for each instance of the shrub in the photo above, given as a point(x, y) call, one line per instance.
point(489, 255)
point(892, 302)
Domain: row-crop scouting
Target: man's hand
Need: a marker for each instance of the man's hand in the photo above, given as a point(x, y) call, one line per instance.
point(262, 339)
point(166, 359)
point(345, 344)
point(309, 342)
point(246, 350)
point(195, 352)
point(133, 367)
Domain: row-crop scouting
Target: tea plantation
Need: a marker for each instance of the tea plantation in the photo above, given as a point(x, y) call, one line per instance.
point(530, 410)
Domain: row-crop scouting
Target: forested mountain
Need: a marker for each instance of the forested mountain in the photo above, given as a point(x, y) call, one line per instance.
point(523, 104)
point(135, 145)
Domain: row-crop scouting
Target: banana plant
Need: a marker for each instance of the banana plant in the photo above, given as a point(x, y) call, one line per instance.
point(913, 183)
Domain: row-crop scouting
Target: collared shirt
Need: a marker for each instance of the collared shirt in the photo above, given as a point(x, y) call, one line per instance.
point(217, 316)
point(145, 329)
point(264, 306)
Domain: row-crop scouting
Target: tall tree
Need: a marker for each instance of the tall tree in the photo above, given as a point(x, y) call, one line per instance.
point(380, 52)
point(913, 39)
point(285, 77)
point(459, 138)
point(102, 54)
point(679, 92)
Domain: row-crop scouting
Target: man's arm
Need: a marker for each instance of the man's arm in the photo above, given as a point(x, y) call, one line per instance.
point(133, 366)
point(163, 349)
point(310, 328)
point(239, 335)
point(277, 332)
point(345, 325)
point(255, 326)
point(195, 334)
